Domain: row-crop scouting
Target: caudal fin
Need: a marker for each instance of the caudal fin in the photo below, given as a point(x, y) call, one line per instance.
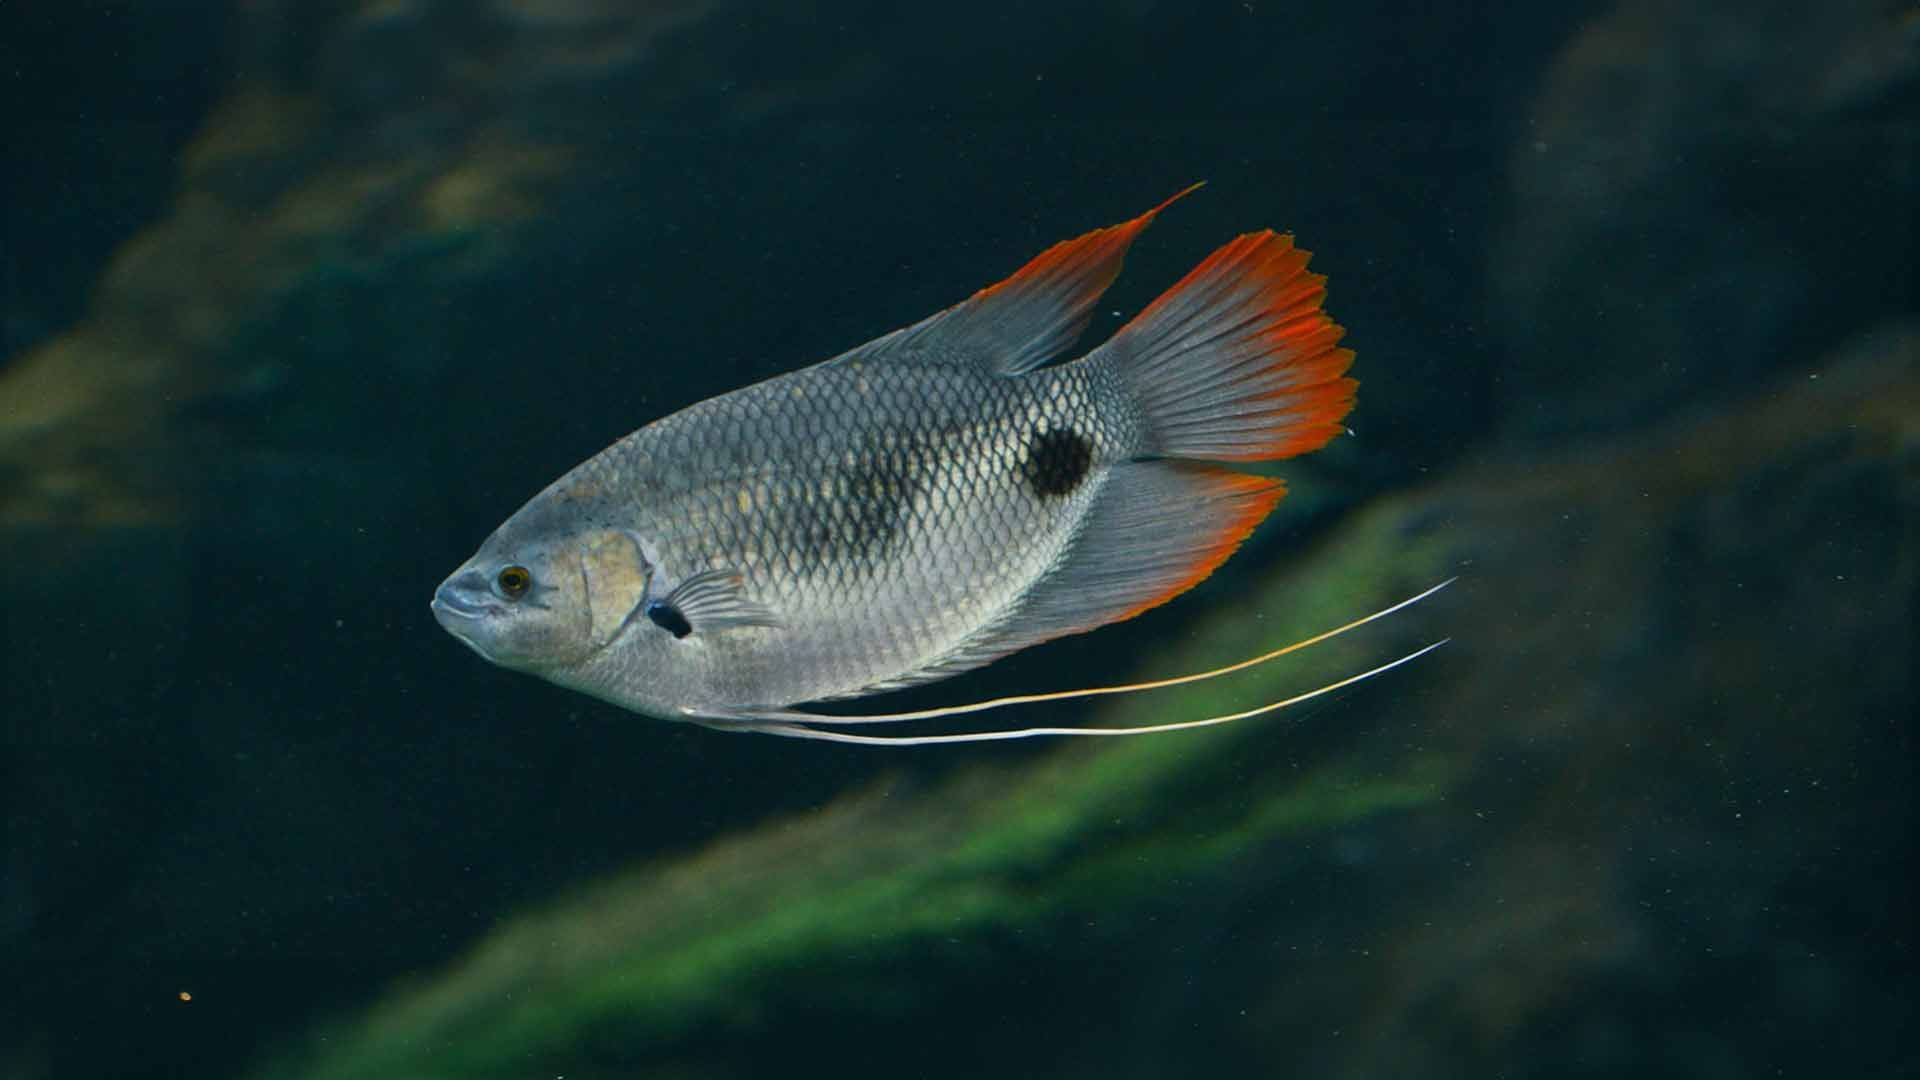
point(1237, 362)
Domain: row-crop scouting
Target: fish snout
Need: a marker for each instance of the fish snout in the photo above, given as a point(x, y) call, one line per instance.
point(462, 600)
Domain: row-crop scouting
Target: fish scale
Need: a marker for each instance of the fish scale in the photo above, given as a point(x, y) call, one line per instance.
point(922, 504)
point(875, 579)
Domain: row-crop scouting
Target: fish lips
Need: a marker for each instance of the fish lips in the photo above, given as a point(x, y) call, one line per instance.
point(457, 606)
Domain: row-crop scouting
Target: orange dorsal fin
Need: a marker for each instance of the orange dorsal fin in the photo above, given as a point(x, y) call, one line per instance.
point(1019, 324)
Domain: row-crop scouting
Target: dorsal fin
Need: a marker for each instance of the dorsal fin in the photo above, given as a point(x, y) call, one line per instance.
point(1020, 323)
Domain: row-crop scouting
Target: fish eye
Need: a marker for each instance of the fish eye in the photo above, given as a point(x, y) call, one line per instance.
point(514, 582)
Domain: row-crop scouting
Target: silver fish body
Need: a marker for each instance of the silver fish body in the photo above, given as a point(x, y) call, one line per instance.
point(888, 514)
point(922, 504)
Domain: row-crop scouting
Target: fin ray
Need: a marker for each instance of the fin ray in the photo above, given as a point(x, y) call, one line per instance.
point(716, 600)
point(1237, 362)
point(801, 731)
point(1155, 530)
point(802, 716)
point(1022, 322)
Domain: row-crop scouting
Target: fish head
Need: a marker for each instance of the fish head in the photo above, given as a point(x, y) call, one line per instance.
point(545, 600)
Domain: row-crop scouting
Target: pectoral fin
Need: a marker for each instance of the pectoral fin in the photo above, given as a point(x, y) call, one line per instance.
point(708, 602)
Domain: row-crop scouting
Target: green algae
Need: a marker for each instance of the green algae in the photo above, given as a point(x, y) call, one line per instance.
point(808, 909)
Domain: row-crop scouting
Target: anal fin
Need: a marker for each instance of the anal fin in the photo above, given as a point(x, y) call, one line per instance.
point(1155, 530)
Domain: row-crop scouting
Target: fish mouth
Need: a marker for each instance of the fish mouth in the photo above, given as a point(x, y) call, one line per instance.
point(453, 606)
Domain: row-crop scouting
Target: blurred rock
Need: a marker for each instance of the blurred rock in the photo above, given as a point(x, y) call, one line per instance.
point(397, 146)
point(1685, 671)
point(1707, 190)
point(95, 102)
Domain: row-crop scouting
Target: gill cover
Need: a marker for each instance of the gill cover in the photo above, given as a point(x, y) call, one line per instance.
point(614, 575)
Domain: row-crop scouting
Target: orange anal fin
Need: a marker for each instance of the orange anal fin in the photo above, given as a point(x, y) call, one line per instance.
point(1155, 530)
point(1224, 508)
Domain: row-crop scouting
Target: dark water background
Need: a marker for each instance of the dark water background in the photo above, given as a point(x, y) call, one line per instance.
point(299, 299)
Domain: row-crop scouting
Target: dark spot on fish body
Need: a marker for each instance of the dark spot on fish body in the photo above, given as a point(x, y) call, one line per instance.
point(668, 618)
point(860, 513)
point(879, 492)
point(1057, 462)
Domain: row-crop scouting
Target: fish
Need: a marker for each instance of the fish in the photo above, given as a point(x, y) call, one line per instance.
point(926, 503)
